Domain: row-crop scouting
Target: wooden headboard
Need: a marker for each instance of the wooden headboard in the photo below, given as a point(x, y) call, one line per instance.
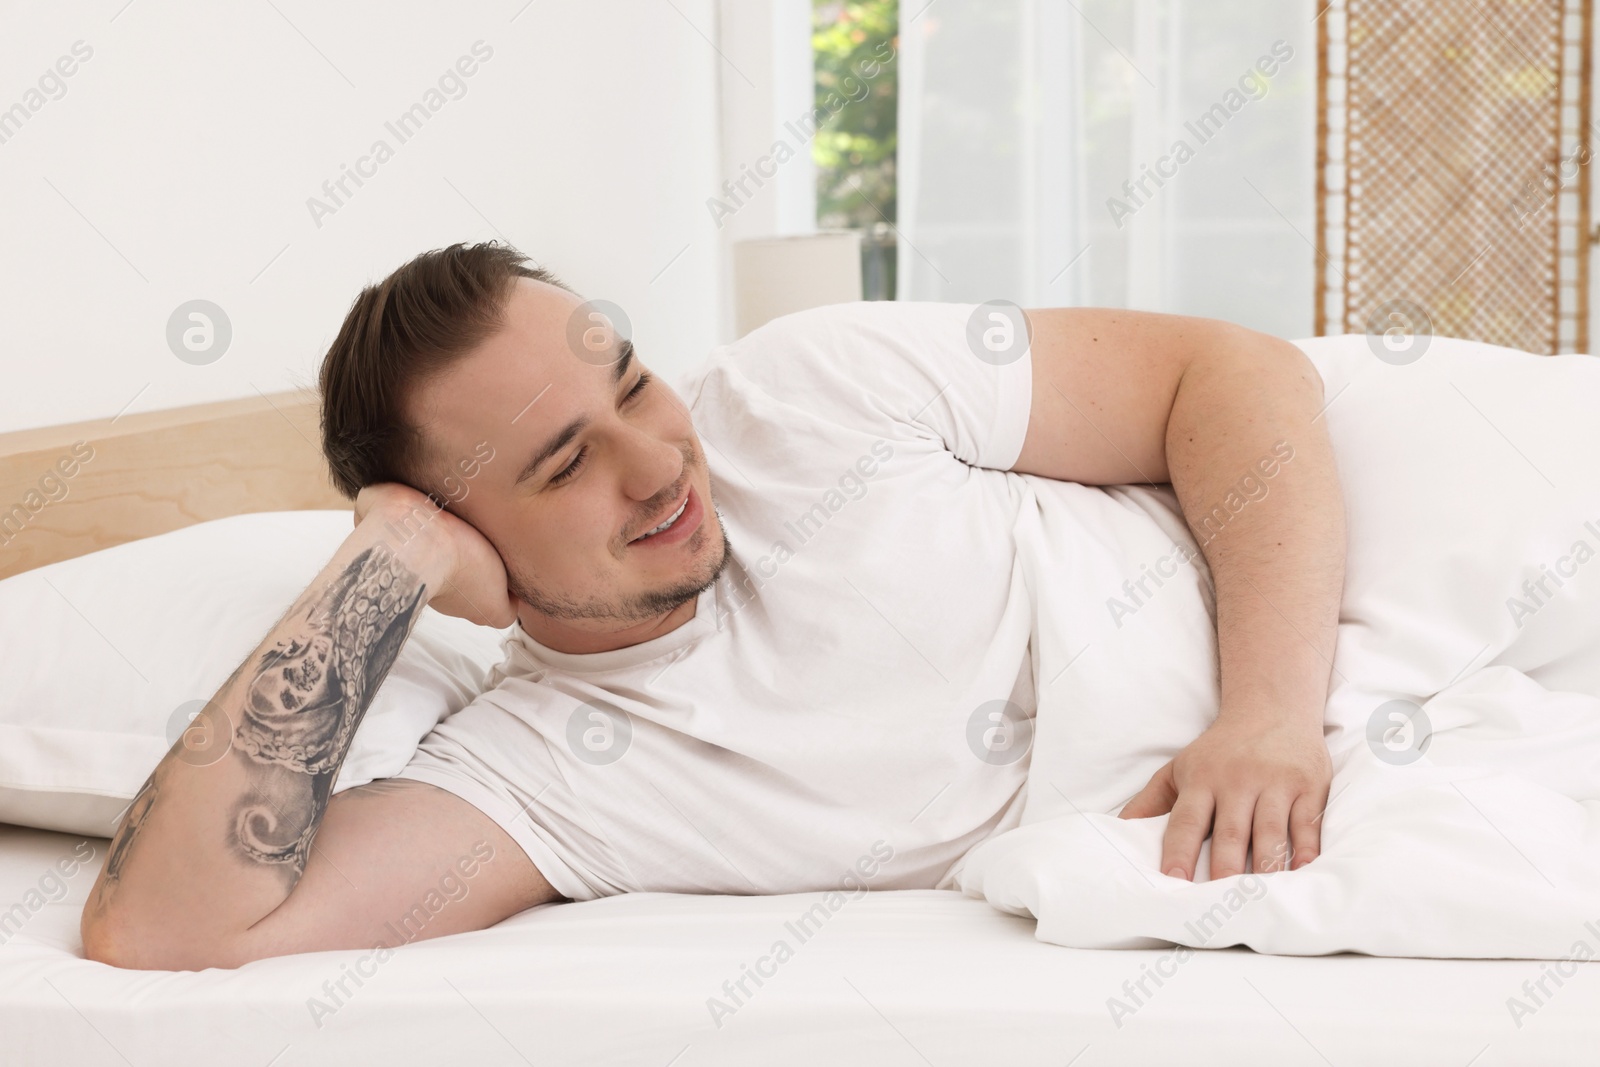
point(68, 490)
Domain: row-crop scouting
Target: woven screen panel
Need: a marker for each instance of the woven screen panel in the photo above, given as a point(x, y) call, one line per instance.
point(1450, 138)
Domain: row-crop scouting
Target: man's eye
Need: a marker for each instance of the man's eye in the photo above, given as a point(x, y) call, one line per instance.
point(571, 468)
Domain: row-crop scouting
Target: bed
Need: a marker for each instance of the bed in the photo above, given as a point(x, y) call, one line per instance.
point(893, 977)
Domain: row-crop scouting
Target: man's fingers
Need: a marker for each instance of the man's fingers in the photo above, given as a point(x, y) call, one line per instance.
point(1305, 830)
point(1154, 799)
point(1270, 837)
point(1191, 820)
point(1230, 837)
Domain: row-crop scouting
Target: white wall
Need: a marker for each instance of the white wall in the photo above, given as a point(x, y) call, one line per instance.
point(179, 160)
point(766, 87)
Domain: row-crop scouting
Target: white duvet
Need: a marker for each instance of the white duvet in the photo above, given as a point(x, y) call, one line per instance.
point(1471, 476)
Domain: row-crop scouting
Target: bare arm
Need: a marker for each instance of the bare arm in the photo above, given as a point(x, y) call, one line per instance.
point(216, 842)
point(1127, 396)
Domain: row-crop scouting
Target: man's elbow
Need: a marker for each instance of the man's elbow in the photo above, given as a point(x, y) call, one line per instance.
point(115, 940)
point(103, 942)
point(1290, 355)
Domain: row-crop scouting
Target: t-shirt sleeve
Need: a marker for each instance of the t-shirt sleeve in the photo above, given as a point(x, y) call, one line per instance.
point(906, 370)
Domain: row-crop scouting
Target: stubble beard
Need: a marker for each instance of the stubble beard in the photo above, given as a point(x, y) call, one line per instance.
point(640, 607)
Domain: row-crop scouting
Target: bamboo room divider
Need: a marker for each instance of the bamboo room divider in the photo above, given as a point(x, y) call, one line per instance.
point(1453, 164)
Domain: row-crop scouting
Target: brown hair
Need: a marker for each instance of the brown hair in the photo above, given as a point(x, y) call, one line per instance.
point(428, 313)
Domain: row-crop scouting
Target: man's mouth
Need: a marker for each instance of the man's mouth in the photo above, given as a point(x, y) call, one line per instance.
point(666, 524)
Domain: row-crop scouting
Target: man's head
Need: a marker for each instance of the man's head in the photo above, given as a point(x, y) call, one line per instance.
point(469, 374)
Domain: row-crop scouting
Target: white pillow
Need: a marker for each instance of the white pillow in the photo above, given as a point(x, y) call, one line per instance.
point(105, 658)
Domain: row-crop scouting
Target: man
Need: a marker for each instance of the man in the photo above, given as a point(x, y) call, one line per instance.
point(751, 631)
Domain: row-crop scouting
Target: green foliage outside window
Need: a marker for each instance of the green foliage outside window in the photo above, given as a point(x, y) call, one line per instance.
point(856, 45)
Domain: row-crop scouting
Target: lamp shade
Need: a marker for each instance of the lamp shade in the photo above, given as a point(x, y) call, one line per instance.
point(774, 276)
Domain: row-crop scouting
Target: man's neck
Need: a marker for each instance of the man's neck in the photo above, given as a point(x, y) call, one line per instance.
point(585, 636)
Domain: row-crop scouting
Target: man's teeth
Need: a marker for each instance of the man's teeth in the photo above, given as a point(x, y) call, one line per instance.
point(675, 516)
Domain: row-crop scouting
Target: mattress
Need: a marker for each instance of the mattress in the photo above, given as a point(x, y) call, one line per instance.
point(894, 977)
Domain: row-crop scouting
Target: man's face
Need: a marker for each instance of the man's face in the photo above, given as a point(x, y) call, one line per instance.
point(585, 461)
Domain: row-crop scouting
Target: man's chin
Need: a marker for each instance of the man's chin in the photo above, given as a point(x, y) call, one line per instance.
point(640, 606)
point(659, 602)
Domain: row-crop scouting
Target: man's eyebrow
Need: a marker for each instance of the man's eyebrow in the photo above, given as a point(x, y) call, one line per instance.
point(564, 436)
point(623, 362)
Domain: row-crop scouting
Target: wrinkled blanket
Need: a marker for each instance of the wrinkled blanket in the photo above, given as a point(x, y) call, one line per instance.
point(1463, 714)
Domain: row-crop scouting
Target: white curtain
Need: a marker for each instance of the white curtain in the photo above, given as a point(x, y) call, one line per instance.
point(1034, 136)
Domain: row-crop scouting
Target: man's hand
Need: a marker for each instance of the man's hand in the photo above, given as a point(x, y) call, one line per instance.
point(473, 586)
point(1246, 782)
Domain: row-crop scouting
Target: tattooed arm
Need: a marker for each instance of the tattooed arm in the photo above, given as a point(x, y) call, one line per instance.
point(223, 830)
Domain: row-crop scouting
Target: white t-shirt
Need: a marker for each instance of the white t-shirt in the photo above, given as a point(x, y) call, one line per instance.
point(854, 695)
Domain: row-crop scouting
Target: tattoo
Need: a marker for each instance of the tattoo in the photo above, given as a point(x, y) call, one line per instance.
point(297, 714)
point(137, 810)
point(305, 701)
point(134, 816)
point(122, 841)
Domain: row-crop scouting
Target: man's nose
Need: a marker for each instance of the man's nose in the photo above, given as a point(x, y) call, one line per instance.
point(653, 465)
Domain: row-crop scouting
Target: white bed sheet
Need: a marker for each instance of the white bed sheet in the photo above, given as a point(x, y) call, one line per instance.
point(907, 977)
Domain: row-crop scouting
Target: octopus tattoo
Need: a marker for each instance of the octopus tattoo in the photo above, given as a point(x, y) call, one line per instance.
point(300, 709)
point(303, 705)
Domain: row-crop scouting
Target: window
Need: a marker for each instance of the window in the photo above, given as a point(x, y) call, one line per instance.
point(855, 44)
